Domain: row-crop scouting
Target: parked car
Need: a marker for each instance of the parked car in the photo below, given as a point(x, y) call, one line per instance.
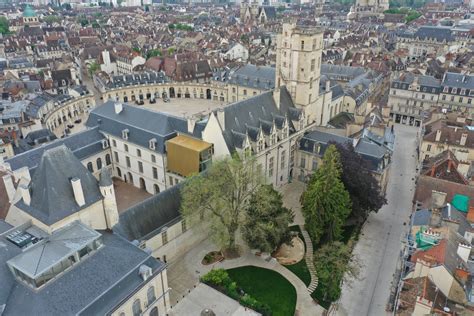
point(78, 121)
point(70, 126)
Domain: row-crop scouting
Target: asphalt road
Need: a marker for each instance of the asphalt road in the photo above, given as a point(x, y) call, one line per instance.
point(379, 245)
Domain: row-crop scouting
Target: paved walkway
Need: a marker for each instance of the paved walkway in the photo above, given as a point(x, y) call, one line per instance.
point(291, 199)
point(309, 260)
point(183, 275)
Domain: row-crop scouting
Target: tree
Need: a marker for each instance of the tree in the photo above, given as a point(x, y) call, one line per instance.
point(326, 203)
point(153, 53)
point(4, 28)
point(363, 188)
point(267, 220)
point(93, 68)
point(220, 198)
point(51, 19)
point(334, 263)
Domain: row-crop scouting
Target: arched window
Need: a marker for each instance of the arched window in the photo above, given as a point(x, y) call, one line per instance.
point(90, 167)
point(150, 295)
point(136, 308)
point(108, 161)
point(154, 311)
point(119, 172)
point(99, 163)
point(156, 188)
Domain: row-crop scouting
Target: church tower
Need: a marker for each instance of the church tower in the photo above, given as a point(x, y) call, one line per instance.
point(298, 65)
point(108, 192)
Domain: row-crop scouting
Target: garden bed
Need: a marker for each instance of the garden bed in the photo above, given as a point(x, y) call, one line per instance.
point(212, 257)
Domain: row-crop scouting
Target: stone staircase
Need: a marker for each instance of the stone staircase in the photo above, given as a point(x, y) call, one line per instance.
point(309, 260)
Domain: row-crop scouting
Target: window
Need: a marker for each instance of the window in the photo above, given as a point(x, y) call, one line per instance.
point(428, 148)
point(90, 167)
point(245, 91)
point(139, 152)
point(315, 164)
point(314, 44)
point(125, 134)
point(303, 162)
point(282, 159)
point(125, 147)
point(108, 161)
point(136, 307)
point(155, 173)
point(444, 97)
point(153, 158)
point(127, 159)
point(152, 144)
point(140, 167)
point(270, 167)
point(150, 295)
point(183, 226)
point(116, 156)
point(99, 163)
point(313, 64)
point(156, 188)
point(164, 237)
point(302, 45)
point(114, 142)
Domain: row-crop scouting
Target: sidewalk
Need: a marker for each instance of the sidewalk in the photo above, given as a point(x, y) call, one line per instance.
point(184, 274)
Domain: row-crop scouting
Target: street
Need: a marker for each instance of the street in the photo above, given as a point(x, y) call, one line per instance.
point(379, 245)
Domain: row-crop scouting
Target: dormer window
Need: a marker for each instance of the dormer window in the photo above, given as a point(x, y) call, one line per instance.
point(105, 144)
point(454, 91)
point(152, 143)
point(125, 133)
point(446, 89)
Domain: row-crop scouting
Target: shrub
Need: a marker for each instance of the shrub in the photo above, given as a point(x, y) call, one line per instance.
point(220, 280)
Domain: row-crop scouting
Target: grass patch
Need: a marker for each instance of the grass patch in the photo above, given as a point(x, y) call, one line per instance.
point(300, 269)
point(268, 287)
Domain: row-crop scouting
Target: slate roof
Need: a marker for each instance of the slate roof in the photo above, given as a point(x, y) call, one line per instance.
point(94, 287)
point(452, 136)
point(142, 124)
point(52, 196)
point(251, 76)
point(439, 34)
point(136, 79)
point(147, 218)
point(456, 80)
point(82, 144)
point(427, 184)
point(258, 112)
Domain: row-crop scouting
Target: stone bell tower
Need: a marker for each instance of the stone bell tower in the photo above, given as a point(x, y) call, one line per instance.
point(298, 65)
point(108, 192)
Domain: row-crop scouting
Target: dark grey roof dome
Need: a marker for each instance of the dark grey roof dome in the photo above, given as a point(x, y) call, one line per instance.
point(207, 312)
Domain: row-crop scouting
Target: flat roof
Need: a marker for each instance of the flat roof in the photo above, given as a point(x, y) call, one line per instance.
point(44, 255)
point(190, 142)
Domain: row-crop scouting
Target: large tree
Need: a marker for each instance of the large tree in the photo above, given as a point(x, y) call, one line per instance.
point(363, 187)
point(4, 28)
point(267, 220)
point(221, 197)
point(326, 203)
point(334, 263)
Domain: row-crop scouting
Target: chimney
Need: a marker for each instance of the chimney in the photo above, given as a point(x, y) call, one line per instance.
point(328, 85)
point(221, 118)
point(118, 107)
point(9, 187)
point(463, 140)
point(78, 192)
point(25, 194)
point(191, 123)
point(437, 199)
point(438, 135)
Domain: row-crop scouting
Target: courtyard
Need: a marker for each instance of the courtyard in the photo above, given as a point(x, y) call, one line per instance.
point(128, 195)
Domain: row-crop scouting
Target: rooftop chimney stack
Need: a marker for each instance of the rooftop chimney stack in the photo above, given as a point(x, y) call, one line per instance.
point(118, 107)
point(438, 135)
point(25, 194)
point(463, 140)
point(78, 192)
point(9, 187)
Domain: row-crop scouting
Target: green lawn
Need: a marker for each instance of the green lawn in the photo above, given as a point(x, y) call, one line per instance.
point(300, 269)
point(267, 287)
